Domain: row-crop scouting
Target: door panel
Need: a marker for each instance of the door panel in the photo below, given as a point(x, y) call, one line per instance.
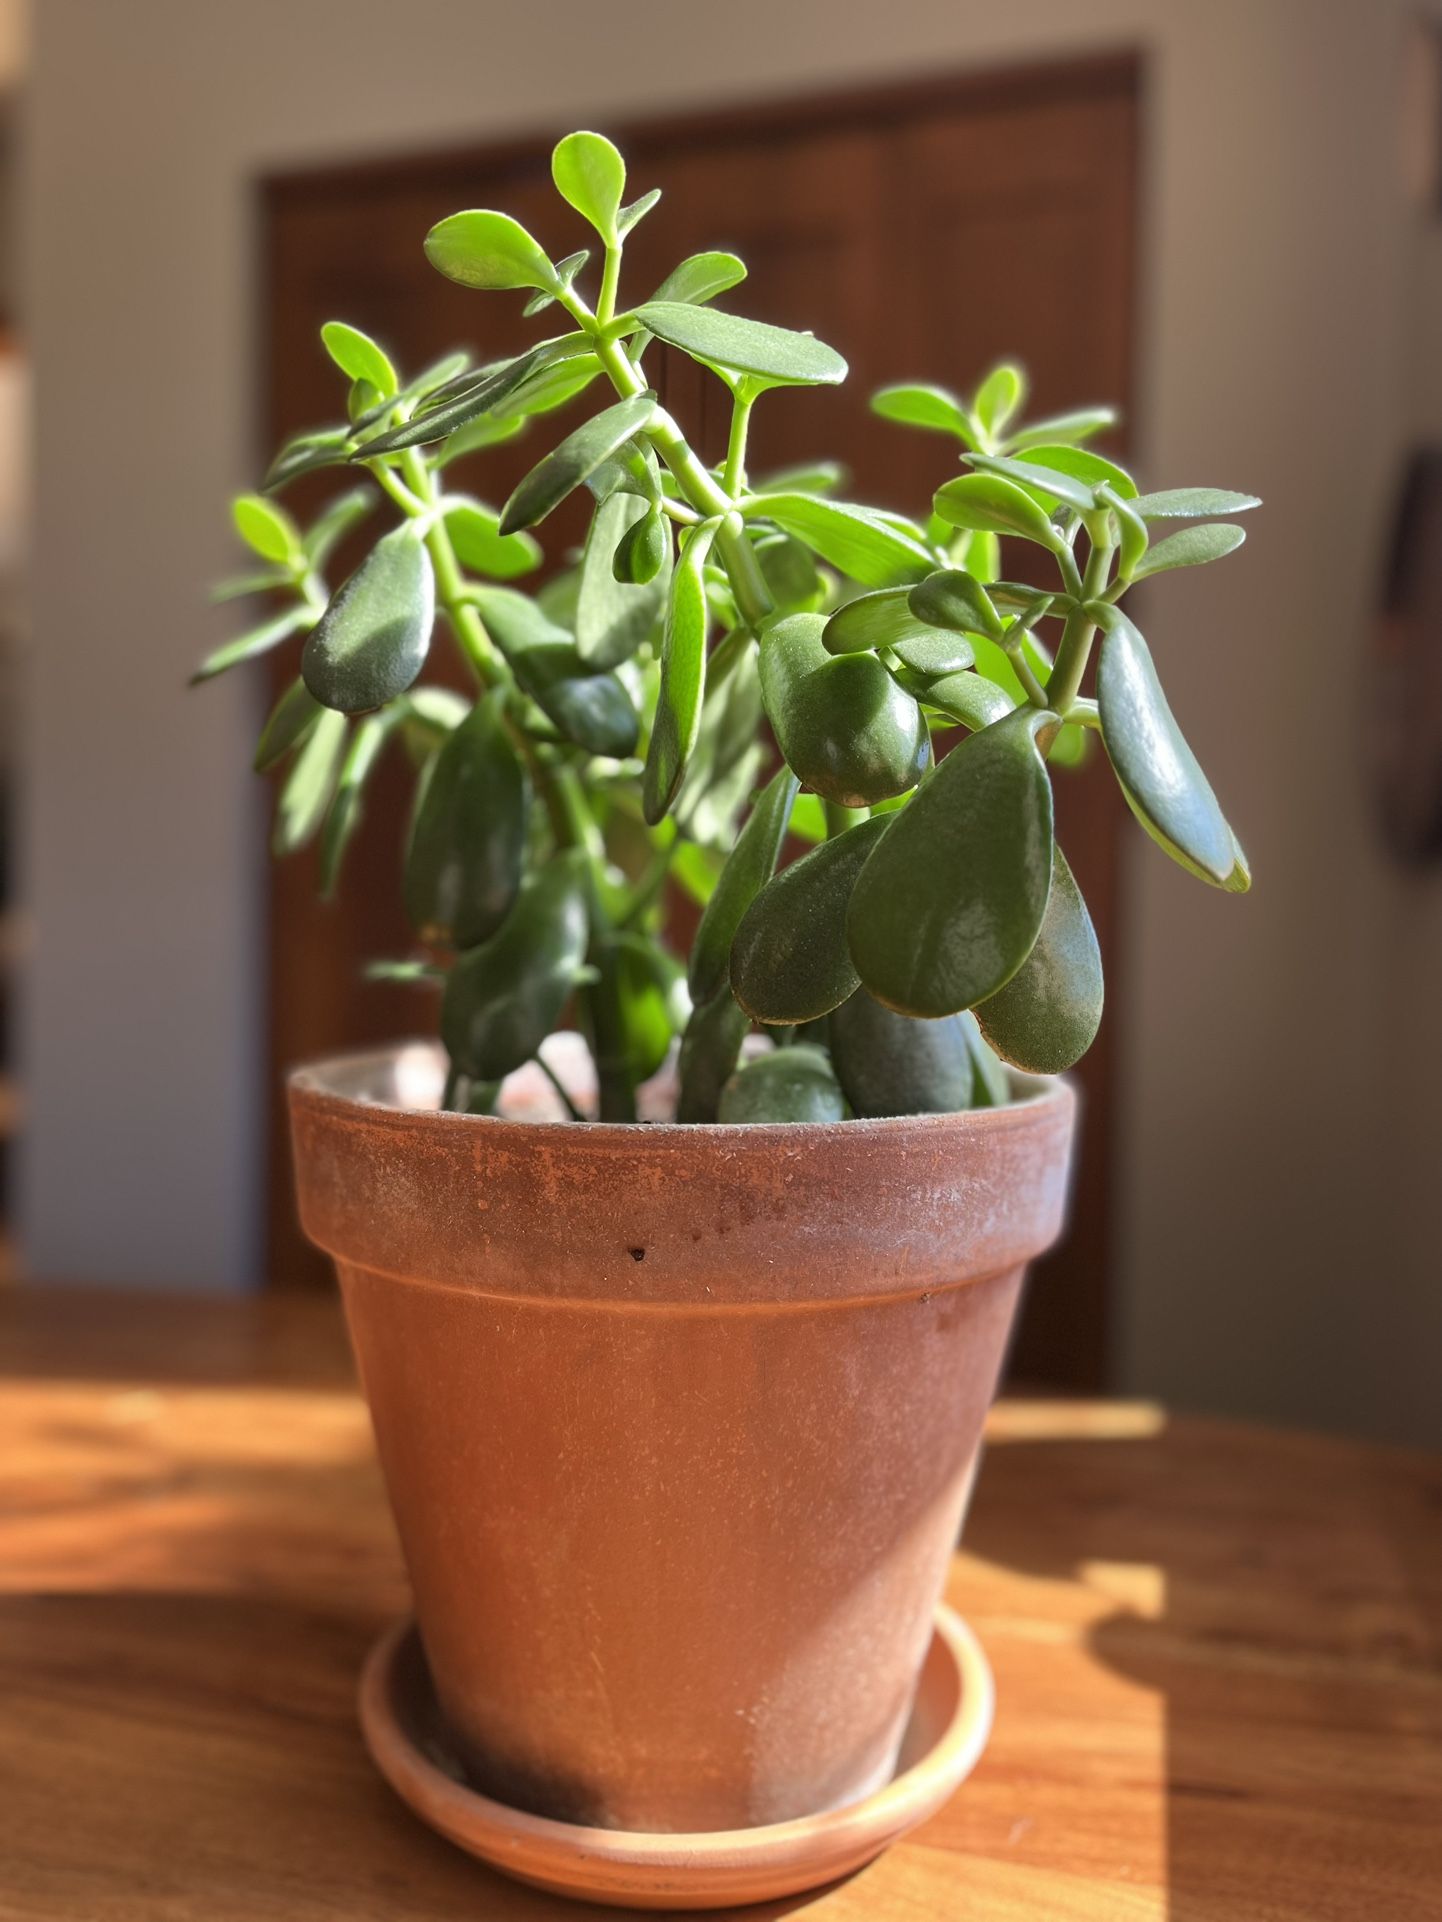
point(922, 231)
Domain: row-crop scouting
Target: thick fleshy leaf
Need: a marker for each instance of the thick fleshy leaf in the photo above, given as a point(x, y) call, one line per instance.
point(880, 619)
point(789, 571)
point(748, 868)
point(1192, 503)
point(345, 811)
point(290, 720)
point(1047, 1015)
point(950, 901)
point(935, 653)
point(1073, 427)
point(641, 1019)
point(613, 617)
point(637, 211)
point(992, 505)
point(644, 550)
point(888, 1064)
point(701, 278)
point(308, 788)
point(991, 1084)
point(971, 699)
point(590, 706)
point(489, 250)
point(999, 396)
point(468, 839)
point(951, 599)
point(853, 539)
point(708, 1054)
point(591, 175)
point(359, 356)
point(325, 533)
point(481, 547)
point(260, 640)
point(918, 405)
point(788, 1085)
point(722, 773)
point(1083, 465)
point(1160, 777)
point(810, 477)
point(503, 998)
point(1192, 547)
point(372, 640)
point(307, 454)
point(478, 397)
point(840, 720)
point(683, 676)
point(578, 456)
point(1049, 481)
point(775, 354)
point(789, 959)
point(266, 529)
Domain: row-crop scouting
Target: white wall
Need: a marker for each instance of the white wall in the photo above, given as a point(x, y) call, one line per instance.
point(1279, 1203)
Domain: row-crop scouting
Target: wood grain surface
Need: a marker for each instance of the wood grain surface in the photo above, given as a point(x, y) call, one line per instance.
point(1218, 1652)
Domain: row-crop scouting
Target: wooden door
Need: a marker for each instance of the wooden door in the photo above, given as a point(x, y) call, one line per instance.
point(923, 231)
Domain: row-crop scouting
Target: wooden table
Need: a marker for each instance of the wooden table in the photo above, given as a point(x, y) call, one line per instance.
point(1218, 1652)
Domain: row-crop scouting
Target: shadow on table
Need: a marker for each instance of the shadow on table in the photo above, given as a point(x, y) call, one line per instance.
point(1296, 1640)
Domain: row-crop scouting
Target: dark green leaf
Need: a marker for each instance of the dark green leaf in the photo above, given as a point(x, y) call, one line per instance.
point(951, 599)
point(488, 250)
point(789, 959)
point(614, 617)
point(589, 707)
point(481, 547)
point(851, 538)
point(643, 983)
point(266, 529)
point(1163, 784)
point(701, 278)
point(1192, 503)
point(305, 454)
point(481, 393)
point(468, 839)
point(358, 355)
point(745, 346)
point(591, 175)
point(923, 406)
point(1207, 541)
point(578, 455)
point(995, 506)
point(291, 720)
point(260, 640)
point(372, 640)
point(971, 699)
point(884, 618)
point(888, 1064)
point(683, 676)
point(1047, 1015)
point(991, 1085)
point(951, 899)
point(748, 868)
point(503, 998)
point(841, 721)
point(788, 1085)
point(709, 1049)
point(306, 793)
point(644, 550)
point(342, 514)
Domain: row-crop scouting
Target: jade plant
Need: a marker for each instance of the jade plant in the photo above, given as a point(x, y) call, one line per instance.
point(732, 668)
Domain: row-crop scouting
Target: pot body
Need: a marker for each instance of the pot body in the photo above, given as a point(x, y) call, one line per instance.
point(677, 1423)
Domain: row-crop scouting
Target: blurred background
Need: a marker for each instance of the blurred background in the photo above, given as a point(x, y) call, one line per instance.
point(1227, 217)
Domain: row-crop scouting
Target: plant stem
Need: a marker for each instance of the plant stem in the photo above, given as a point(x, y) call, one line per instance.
point(555, 1080)
point(734, 473)
point(1076, 640)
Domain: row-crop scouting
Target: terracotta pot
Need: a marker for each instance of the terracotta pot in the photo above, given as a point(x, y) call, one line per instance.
point(678, 1423)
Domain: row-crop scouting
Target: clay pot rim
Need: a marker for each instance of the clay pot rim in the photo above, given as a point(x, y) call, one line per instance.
point(327, 1085)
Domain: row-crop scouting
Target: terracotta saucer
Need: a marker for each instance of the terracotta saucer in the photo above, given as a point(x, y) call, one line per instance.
point(946, 1735)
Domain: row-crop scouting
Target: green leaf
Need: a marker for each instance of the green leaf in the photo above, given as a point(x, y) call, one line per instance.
point(683, 676)
point(748, 868)
point(789, 959)
point(358, 355)
point(482, 393)
point(260, 640)
point(709, 1049)
point(722, 772)
point(851, 538)
point(701, 278)
point(1080, 425)
point(306, 794)
point(950, 902)
point(971, 699)
point(332, 526)
point(1133, 535)
point(1207, 541)
point(241, 586)
point(888, 1064)
point(468, 839)
point(481, 547)
point(488, 250)
point(266, 529)
point(589, 707)
point(935, 655)
point(952, 600)
point(995, 506)
point(591, 175)
point(991, 1085)
point(614, 617)
point(345, 811)
point(1047, 1015)
point(793, 1084)
point(1083, 465)
point(1058, 486)
point(579, 455)
point(930, 407)
point(811, 477)
point(372, 640)
point(306, 454)
point(883, 618)
point(789, 572)
point(637, 211)
point(644, 550)
point(999, 397)
point(1192, 503)
point(1160, 778)
point(503, 998)
point(644, 982)
point(840, 721)
point(775, 354)
point(290, 721)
